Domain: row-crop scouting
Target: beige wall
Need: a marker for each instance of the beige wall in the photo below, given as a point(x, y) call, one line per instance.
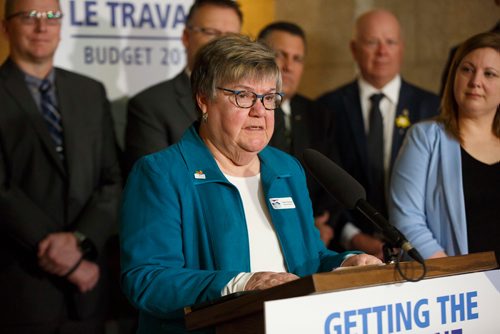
point(256, 14)
point(431, 27)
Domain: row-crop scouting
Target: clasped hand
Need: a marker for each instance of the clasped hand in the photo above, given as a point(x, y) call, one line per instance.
point(58, 253)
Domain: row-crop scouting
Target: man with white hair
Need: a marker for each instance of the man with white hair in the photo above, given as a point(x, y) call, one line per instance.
point(368, 118)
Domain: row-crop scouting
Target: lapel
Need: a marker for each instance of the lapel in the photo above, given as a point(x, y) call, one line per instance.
point(404, 106)
point(300, 129)
point(16, 86)
point(279, 138)
point(226, 227)
point(275, 184)
point(354, 114)
point(182, 88)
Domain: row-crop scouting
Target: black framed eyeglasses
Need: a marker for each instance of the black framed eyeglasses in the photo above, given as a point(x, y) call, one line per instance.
point(207, 31)
point(52, 17)
point(247, 99)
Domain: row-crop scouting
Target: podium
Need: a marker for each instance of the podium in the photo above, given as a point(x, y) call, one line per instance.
point(245, 314)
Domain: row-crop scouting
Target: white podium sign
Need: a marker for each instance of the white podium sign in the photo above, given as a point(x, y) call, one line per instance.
point(460, 304)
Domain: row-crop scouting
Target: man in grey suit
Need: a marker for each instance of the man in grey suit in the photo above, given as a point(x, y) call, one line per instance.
point(367, 119)
point(60, 182)
point(158, 116)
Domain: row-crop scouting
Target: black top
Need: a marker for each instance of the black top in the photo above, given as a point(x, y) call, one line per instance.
point(481, 184)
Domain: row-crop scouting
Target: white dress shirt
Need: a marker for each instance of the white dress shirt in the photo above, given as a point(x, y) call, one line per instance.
point(388, 107)
point(287, 111)
point(265, 249)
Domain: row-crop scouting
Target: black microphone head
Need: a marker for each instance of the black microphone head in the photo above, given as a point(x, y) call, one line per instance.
point(334, 179)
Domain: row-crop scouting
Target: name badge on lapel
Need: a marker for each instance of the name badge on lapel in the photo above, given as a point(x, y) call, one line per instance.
point(282, 203)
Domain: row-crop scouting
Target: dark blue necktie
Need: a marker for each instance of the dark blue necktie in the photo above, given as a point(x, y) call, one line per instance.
point(51, 116)
point(375, 143)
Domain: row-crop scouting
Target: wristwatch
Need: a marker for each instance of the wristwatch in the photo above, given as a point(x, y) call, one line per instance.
point(86, 245)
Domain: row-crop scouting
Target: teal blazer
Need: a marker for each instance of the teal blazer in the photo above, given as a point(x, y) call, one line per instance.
point(427, 198)
point(184, 234)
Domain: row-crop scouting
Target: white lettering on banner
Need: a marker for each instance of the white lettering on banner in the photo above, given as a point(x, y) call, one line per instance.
point(458, 304)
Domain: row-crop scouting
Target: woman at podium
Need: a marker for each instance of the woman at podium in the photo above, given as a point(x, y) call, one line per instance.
point(445, 191)
point(220, 212)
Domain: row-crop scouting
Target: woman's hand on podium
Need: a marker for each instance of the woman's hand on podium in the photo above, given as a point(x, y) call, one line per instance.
point(361, 260)
point(264, 280)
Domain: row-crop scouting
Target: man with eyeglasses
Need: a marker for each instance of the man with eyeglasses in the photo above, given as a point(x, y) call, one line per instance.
point(60, 182)
point(158, 116)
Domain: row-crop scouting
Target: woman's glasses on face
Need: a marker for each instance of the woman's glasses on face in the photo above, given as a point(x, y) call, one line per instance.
point(246, 99)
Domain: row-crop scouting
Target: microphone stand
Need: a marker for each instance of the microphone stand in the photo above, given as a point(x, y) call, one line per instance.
point(393, 255)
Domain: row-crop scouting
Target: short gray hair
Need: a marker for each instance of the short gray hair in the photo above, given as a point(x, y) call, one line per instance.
point(230, 59)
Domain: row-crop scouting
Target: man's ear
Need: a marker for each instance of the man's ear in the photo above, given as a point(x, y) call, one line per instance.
point(353, 47)
point(185, 38)
point(3, 28)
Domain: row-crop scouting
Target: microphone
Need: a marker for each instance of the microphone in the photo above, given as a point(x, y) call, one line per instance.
point(345, 189)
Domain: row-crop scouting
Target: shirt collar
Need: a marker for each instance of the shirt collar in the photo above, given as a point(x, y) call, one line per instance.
point(390, 90)
point(34, 82)
point(286, 107)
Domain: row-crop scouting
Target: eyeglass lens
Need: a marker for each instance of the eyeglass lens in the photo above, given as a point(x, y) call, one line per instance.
point(207, 31)
point(270, 101)
point(31, 17)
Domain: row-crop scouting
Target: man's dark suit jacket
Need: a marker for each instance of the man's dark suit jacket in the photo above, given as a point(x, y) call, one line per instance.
point(305, 127)
point(41, 194)
point(344, 132)
point(158, 116)
point(302, 125)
